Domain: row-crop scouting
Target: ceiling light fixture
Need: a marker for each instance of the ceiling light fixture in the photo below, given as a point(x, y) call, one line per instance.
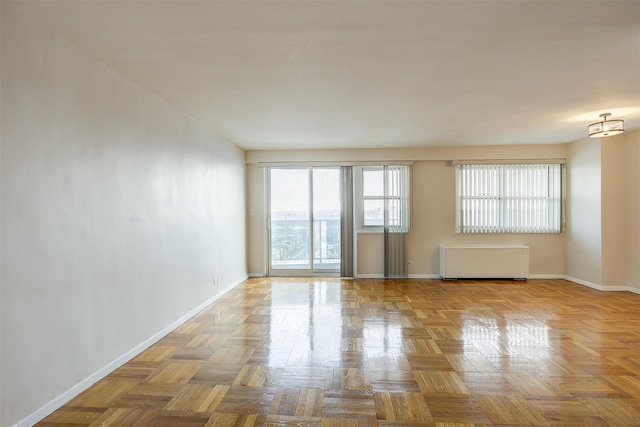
point(606, 127)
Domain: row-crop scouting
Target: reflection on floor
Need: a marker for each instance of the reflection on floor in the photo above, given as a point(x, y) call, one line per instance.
point(331, 352)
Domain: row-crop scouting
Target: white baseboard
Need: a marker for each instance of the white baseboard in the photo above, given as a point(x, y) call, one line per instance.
point(584, 283)
point(602, 288)
point(531, 276)
point(51, 406)
point(257, 275)
point(425, 276)
point(410, 276)
point(545, 276)
point(437, 276)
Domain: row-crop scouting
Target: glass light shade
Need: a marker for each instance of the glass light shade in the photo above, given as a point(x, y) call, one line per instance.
point(606, 128)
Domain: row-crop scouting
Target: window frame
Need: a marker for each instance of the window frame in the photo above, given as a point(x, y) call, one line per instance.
point(366, 197)
point(359, 199)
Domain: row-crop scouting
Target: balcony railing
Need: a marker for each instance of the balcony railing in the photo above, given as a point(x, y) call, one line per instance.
point(290, 244)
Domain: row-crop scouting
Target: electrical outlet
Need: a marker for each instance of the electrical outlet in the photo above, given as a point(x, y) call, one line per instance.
point(409, 262)
point(216, 281)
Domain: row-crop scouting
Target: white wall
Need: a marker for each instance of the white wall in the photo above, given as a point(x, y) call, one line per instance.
point(613, 212)
point(257, 223)
point(602, 243)
point(117, 213)
point(432, 209)
point(433, 224)
point(632, 208)
point(583, 237)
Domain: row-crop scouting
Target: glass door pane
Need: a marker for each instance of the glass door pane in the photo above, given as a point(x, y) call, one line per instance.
point(326, 219)
point(290, 219)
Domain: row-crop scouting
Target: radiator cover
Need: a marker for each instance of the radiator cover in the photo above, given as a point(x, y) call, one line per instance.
point(484, 262)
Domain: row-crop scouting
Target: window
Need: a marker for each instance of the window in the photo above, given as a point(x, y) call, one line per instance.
point(373, 196)
point(385, 196)
point(508, 198)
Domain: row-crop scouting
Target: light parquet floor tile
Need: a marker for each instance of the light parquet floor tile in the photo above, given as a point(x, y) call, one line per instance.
point(380, 353)
point(125, 417)
point(69, 415)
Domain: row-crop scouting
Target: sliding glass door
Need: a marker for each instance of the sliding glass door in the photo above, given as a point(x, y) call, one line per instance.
point(290, 219)
point(304, 221)
point(326, 219)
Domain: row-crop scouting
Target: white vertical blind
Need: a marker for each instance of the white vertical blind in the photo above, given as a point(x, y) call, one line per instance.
point(396, 220)
point(396, 195)
point(508, 198)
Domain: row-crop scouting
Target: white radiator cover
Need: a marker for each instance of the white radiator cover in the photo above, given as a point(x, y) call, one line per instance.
point(484, 262)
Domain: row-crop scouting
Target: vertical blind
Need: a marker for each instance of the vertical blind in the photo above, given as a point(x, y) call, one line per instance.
point(396, 220)
point(508, 198)
point(346, 221)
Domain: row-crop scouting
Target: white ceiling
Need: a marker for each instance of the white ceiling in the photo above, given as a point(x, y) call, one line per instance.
point(358, 74)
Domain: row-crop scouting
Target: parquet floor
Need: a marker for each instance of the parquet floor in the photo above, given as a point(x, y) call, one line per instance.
point(331, 352)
